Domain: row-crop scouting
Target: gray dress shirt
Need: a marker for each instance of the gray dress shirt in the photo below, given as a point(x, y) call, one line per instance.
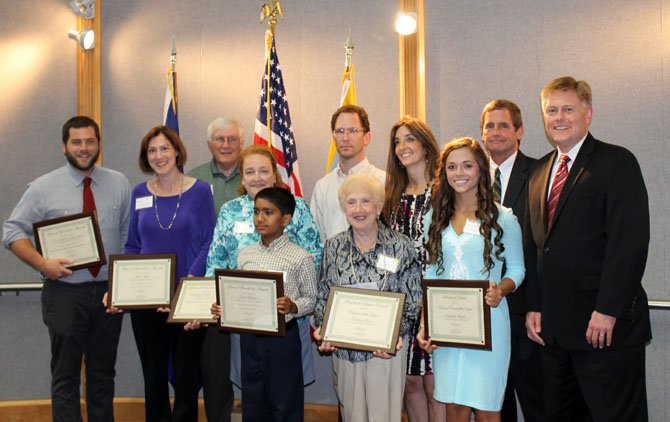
point(60, 193)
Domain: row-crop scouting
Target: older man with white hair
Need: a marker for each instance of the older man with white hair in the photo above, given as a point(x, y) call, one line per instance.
point(225, 139)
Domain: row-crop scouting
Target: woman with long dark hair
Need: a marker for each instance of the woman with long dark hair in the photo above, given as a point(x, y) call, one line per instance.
point(472, 238)
point(410, 167)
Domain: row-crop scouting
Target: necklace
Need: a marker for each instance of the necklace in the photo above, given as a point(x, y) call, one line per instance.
point(357, 280)
point(174, 215)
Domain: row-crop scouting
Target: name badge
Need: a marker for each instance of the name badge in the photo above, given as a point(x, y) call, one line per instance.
point(387, 263)
point(472, 227)
point(144, 202)
point(243, 227)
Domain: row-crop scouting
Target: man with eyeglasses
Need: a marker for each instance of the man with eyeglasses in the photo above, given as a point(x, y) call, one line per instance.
point(225, 139)
point(351, 130)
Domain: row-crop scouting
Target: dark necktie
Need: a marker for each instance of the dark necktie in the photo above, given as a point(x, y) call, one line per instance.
point(556, 188)
point(497, 187)
point(89, 205)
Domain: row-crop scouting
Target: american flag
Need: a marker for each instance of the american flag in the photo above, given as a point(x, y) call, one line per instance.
point(283, 141)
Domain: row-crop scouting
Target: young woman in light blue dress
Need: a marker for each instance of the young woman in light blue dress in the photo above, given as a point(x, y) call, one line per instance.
point(471, 238)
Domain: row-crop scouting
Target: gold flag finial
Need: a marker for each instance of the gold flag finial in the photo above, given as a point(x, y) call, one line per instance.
point(270, 12)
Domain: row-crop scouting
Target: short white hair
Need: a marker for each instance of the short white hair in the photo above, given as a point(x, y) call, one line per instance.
point(361, 181)
point(223, 123)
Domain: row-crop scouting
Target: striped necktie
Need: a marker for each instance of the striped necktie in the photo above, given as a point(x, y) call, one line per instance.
point(556, 188)
point(497, 187)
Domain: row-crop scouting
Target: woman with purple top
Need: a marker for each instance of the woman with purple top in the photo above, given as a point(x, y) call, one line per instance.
point(170, 213)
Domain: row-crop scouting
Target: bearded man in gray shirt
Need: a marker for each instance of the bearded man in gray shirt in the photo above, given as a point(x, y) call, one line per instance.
point(72, 300)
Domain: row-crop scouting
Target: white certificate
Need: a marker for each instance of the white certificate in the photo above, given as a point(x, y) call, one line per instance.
point(248, 301)
point(193, 300)
point(76, 237)
point(362, 319)
point(456, 313)
point(141, 281)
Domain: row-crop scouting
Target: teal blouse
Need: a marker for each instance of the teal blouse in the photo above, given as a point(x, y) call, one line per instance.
point(235, 230)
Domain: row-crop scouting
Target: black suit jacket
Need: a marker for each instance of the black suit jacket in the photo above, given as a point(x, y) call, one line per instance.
point(515, 198)
point(595, 253)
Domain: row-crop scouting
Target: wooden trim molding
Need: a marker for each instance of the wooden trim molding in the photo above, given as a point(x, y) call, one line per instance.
point(412, 63)
point(130, 409)
point(89, 75)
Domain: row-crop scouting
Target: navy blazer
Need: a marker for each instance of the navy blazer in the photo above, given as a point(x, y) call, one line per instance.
point(595, 253)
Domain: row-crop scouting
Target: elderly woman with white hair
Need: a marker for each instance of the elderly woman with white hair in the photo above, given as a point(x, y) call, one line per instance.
point(369, 386)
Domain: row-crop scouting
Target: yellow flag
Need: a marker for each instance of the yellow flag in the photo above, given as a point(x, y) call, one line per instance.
point(348, 97)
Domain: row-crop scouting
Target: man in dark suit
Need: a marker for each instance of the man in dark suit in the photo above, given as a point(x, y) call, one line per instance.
point(502, 129)
point(587, 238)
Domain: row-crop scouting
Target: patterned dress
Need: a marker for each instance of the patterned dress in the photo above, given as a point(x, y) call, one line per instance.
point(345, 265)
point(408, 219)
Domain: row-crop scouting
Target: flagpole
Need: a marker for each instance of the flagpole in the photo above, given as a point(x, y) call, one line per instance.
point(269, 12)
point(172, 75)
point(349, 52)
point(268, 112)
point(347, 90)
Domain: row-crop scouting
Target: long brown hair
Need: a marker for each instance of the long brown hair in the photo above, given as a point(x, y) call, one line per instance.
point(443, 206)
point(396, 174)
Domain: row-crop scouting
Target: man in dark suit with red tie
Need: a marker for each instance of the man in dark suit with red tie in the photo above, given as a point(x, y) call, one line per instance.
point(587, 238)
point(502, 129)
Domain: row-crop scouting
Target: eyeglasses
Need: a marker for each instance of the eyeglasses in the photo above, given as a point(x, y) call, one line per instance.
point(229, 139)
point(164, 149)
point(338, 133)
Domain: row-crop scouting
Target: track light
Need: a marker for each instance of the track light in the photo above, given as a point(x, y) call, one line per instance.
point(405, 23)
point(85, 38)
point(83, 8)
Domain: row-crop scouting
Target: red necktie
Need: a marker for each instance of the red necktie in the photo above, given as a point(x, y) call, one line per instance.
point(556, 188)
point(89, 205)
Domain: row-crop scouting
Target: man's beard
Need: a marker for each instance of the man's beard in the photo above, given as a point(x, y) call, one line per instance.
point(73, 160)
